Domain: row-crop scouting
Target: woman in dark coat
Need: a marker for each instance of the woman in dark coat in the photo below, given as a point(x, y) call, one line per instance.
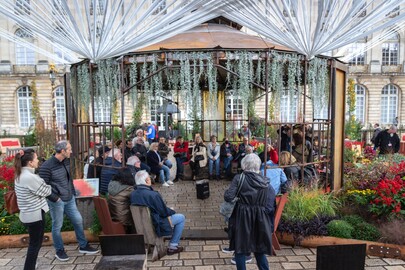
point(252, 222)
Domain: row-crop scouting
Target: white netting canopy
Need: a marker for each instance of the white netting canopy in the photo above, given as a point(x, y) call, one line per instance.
point(100, 29)
point(314, 27)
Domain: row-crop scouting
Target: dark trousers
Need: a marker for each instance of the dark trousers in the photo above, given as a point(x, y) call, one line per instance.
point(195, 167)
point(180, 166)
point(36, 234)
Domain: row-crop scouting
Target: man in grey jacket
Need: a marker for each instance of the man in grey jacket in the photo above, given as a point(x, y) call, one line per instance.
point(56, 173)
point(214, 151)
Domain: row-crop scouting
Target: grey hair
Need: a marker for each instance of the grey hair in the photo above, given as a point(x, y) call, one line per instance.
point(394, 128)
point(140, 177)
point(132, 160)
point(154, 144)
point(249, 149)
point(113, 150)
point(251, 163)
point(61, 145)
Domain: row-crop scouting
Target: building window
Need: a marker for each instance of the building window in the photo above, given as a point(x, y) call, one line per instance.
point(390, 50)
point(235, 109)
point(160, 7)
point(360, 102)
point(102, 109)
point(288, 107)
point(356, 50)
point(59, 106)
point(24, 99)
point(156, 102)
point(99, 7)
point(389, 104)
point(24, 56)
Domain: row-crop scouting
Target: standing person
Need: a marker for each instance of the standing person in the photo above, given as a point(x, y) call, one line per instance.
point(285, 134)
point(128, 150)
point(396, 121)
point(56, 172)
point(227, 153)
point(252, 221)
point(245, 133)
point(388, 141)
point(198, 157)
point(163, 218)
point(214, 151)
point(151, 133)
point(180, 150)
point(377, 130)
point(31, 191)
point(271, 153)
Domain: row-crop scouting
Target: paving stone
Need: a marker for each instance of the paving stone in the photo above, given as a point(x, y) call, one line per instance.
point(302, 251)
point(85, 259)
point(192, 262)
point(375, 262)
point(159, 268)
point(84, 266)
point(374, 268)
point(285, 252)
point(193, 248)
point(391, 261)
point(6, 267)
point(308, 265)
point(183, 268)
point(292, 266)
point(311, 257)
point(204, 267)
point(209, 254)
point(211, 247)
point(395, 267)
point(224, 267)
point(173, 263)
point(213, 261)
point(64, 267)
point(296, 258)
point(189, 255)
point(155, 263)
point(272, 259)
point(16, 261)
point(4, 262)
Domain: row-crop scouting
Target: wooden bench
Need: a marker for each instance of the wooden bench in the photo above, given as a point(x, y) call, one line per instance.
point(109, 226)
point(280, 203)
point(143, 225)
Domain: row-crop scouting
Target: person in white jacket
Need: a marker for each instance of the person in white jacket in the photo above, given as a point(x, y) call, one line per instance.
point(31, 191)
point(213, 151)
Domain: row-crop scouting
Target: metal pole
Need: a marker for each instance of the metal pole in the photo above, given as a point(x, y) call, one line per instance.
point(266, 112)
point(123, 131)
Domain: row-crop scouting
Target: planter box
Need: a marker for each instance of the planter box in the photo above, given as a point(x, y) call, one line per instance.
point(21, 240)
point(373, 248)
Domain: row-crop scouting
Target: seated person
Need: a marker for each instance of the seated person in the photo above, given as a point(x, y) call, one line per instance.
point(213, 153)
point(293, 170)
point(103, 152)
point(155, 162)
point(164, 150)
point(275, 175)
point(271, 152)
point(140, 151)
point(134, 164)
point(113, 160)
point(163, 218)
point(128, 150)
point(227, 153)
point(300, 149)
point(242, 150)
point(198, 157)
point(180, 150)
point(119, 198)
point(254, 143)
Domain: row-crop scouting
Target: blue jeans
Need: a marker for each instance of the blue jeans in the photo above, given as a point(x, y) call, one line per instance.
point(164, 174)
point(210, 165)
point(180, 166)
point(178, 221)
point(227, 164)
point(145, 167)
point(57, 209)
point(168, 163)
point(261, 261)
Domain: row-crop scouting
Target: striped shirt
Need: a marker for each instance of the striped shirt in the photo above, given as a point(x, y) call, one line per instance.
point(31, 191)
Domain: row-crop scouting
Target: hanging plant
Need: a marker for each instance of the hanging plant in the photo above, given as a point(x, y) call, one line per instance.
point(318, 84)
point(212, 85)
point(133, 78)
point(83, 86)
point(293, 63)
point(35, 101)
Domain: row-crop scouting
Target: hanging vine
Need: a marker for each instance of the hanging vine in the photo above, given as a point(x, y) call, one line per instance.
point(318, 80)
point(83, 86)
point(133, 78)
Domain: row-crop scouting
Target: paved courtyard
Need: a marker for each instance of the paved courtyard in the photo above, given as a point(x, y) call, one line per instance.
point(198, 254)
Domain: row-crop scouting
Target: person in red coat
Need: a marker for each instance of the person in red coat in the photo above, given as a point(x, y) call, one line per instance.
point(181, 154)
point(272, 153)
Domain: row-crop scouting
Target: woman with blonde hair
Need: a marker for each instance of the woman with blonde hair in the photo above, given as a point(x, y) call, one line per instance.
point(198, 156)
point(293, 170)
point(31, 191)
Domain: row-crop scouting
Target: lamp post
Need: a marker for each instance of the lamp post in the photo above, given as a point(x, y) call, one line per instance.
point(52, 74)
point(52, 78)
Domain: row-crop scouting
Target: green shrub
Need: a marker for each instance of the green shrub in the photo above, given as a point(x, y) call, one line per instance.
point(340, 228)
point(353, 220)
point(96, 225)
point(305, 204)
point(16, 227)
point(366, 231)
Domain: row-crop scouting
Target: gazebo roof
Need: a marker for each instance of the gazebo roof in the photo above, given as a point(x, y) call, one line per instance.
point(210, 36)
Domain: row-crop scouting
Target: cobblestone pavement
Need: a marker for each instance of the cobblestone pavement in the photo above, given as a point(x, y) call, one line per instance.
point(198, 255)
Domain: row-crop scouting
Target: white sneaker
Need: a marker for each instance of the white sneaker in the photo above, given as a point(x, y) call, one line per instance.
point(165, 184)
point(170, 182)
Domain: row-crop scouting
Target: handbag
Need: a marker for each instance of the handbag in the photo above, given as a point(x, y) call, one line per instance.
point(226, 208)
point(10, 201)
point(199, 157)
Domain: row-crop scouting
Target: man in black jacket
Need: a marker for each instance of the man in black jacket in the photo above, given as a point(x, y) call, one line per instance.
point(388, 141)
point(56, 172)
point(103, 152)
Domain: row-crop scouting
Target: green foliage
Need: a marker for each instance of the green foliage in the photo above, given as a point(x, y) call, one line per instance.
point(16, 227)
point(353, 219)
point(137, 116)
point(304, 204)
point(95, 227)
point(115, 133)
point(349, 155)
point(340, 228)
point(366, 231)
point(353, 129)
point(30, 139)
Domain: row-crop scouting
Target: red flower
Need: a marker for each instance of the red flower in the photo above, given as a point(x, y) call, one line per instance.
point(397, 208)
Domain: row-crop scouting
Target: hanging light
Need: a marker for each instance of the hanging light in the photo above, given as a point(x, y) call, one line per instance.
point(52, 74)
